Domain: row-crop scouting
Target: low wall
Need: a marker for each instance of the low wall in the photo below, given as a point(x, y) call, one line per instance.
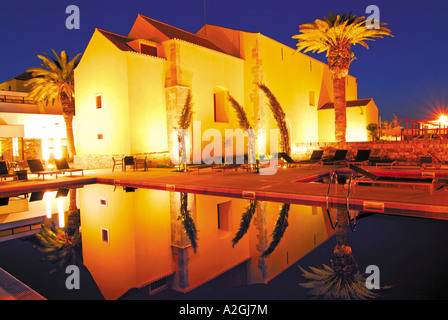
point(97, 161)
point(404, 151)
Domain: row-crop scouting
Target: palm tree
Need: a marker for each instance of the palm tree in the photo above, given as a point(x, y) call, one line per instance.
point(279, 117)
point(335, 35)
point(184, 123)
point(55, 82)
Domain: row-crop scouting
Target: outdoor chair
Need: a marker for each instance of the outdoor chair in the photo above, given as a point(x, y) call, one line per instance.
point(128, 161)
point(140, 162)
point(62, 166)
point(4, 172)
point(116, 162)
point(37, 167)
point(314, 159)
point(362, 158)
point(338, 157)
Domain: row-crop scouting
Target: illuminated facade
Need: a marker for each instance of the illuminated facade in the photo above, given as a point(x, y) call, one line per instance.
point(29, 130)
point(130, 89)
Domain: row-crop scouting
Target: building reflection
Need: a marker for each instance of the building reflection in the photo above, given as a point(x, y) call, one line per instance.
point(138, 239)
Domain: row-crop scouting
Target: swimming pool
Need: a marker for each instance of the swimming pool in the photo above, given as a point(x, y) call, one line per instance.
point(136, 245)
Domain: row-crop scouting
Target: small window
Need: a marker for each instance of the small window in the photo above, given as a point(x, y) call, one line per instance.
point(104, 235)
point(100, 136)
point(149, 50)
point(312, 98)
point(224, 215)
point(103, 203)
point(221, 106)
point(99, 101)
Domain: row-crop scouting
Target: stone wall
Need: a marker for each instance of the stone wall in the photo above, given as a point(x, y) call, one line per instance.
point(95, 161)
point(404, 151)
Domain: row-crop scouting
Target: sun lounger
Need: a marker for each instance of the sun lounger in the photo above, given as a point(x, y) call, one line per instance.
point(4, 173)
point(224, 167)
point(37, 168)
point(362, 158)
point(338, 158)
point(314, 159)
point(371, 178)
point(62, 166)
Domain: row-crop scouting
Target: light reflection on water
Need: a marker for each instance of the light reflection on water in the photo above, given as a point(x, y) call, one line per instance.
point(138, 238)
point(148, 240)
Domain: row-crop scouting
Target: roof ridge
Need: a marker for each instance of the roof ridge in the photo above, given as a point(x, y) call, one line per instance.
point(113, 33)
point(168, 25)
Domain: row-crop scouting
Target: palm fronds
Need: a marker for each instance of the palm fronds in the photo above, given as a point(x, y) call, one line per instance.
point(337, 31)
point(279, 117)
point(55, 80)
point(62, 249)
point(245, 221)
point(187, 113)
point(280, 227)
point(187, 221)
point(240, 113)
point(324, 282)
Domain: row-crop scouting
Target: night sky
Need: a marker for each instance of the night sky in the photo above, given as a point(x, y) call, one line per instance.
point(406, 75)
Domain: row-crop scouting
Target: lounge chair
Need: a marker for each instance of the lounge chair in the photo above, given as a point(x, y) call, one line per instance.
point(439, 161)
point(224, 167)
point(37, 167)
point(63, 167)
point(379, 162)
point(4, 173)
point(371, 178)
point(197, 167)
point(362, 158)
point(314, 159)
point(338, 157)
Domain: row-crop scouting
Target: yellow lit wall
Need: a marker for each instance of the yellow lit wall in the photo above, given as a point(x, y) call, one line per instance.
point(357, 120)
point(102, 70)
point(308, 227)
point(147, 111)
point(204, 71)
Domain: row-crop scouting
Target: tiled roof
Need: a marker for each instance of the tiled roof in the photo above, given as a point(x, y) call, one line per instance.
point(117, 40)
point(350, 103)
point(176, 33)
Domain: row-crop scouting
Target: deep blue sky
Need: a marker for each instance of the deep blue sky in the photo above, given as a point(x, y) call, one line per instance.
point(406, 75)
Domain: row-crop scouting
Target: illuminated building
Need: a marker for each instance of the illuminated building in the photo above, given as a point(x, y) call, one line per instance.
point(130, 89)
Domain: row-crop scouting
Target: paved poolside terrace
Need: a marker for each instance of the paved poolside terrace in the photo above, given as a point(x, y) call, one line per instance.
point(293, 185)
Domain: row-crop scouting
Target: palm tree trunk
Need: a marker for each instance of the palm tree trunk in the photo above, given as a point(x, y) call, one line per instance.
point(68, 118)
point(340, 104)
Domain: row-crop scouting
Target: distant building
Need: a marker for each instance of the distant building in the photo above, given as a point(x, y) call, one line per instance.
point(29, 130)
point(130, 89)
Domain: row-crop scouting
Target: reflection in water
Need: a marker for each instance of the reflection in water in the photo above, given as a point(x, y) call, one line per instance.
point(63, 244)
point(342, 280)
point(148, 239)
point(187, 221)
point(279, 230)
point(246, 218)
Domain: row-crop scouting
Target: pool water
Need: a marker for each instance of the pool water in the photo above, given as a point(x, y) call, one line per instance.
point(136, 245)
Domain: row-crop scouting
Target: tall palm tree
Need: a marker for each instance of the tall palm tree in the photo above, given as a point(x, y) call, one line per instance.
point(335, 35)
point(55, 82)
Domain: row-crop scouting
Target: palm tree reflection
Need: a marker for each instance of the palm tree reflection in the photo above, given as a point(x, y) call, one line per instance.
point(342, 280)
point(63, 245)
